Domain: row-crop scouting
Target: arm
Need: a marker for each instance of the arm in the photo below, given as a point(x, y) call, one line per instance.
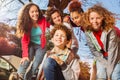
point(25, 42)
point(93, 71)
point(72, 71)
point(113, 54)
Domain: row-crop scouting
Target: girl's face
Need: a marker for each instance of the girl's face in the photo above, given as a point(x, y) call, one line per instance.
point(56, 18)
point(95, 20)
point(34, 13)
point(59, 39)
point(76, 17)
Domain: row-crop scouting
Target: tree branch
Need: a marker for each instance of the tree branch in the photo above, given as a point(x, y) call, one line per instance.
point(30, 0)
point(21, 2)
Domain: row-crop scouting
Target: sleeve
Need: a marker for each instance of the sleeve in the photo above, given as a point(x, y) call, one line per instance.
point(25, 42)
point(98, 55)
point(112, 51)
point(72, 71)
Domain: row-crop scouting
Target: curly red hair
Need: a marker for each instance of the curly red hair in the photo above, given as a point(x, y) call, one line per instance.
point(108, 17)
point(75, 6)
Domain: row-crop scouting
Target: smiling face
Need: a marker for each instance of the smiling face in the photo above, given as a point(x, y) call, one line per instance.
point(59, 39)
point(56, 18)
point(34, 13)
point(76, 17)
point(96, 20)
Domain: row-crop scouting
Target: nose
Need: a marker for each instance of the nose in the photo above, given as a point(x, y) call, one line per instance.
point(94, 20)
point(59, 36)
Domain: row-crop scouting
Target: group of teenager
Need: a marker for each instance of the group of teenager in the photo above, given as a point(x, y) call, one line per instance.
point(62, 61)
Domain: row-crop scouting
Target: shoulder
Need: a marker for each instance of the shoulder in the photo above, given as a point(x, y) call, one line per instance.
point(71, 56)
point(43, 19)
point(74, 54)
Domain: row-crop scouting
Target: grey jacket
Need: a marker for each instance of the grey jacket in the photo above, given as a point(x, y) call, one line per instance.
point(111, 44)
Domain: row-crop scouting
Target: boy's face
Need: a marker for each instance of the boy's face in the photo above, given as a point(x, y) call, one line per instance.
point(59, 39)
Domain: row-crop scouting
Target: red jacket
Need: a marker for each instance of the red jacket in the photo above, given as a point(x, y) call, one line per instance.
point(26, 37)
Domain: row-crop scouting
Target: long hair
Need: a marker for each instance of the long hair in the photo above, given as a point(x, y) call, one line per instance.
point(108, 18)
point(24, 21)
point(49, 13)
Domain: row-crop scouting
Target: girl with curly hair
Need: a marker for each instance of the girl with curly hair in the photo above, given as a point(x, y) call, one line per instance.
point(103, 41)
point(32, 27)
point(76, 12)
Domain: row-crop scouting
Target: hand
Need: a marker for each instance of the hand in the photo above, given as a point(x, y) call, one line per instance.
point(57, 59)
point(23, 60)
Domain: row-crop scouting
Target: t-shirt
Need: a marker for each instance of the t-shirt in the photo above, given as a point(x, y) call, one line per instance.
point(35, 35)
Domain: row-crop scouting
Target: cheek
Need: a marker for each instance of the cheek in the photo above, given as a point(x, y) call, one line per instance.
point(30, 15)
point(54, 21)
point(79, 20)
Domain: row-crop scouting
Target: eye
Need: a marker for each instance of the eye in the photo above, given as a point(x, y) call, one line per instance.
point(56, 35)
point(64, 36)
point(36, 11)
point(98, 17)
point(91, 18)
point(76, 17)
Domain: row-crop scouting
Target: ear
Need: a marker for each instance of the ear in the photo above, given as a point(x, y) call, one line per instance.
point(67, 42)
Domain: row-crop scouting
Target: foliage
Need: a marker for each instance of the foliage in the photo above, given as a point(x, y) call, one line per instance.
point(10, 44)
point(85, 69)
point(49, 43)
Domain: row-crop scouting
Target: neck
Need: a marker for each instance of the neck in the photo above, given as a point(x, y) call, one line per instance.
point(58, 49)
point(35, 24)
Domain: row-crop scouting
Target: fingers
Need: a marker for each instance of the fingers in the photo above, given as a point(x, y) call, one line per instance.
point(57, 59)
point(23, 60)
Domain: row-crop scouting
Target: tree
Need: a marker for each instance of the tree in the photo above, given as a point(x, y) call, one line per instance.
point(9, 43)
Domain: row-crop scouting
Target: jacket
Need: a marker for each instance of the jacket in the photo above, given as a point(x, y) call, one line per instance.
point(111, 44)
point(71, 72)
point(26, 37)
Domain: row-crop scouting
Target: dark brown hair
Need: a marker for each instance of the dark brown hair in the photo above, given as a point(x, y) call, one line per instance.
point(49, 13)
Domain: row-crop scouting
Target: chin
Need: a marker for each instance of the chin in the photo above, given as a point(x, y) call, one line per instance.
point(96, 29)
